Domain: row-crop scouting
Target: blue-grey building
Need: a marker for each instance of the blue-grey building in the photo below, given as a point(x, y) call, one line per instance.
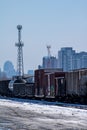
point(69, 60)
point(50, 62)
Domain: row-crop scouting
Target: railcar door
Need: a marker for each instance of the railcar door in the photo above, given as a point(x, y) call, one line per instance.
point(60, 86)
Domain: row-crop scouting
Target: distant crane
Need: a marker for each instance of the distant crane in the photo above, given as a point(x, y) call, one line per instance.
point(20, 66)
point(48, 48)
point(49, 56)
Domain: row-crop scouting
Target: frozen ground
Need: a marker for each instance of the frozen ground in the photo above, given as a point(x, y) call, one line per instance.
point(19, 114)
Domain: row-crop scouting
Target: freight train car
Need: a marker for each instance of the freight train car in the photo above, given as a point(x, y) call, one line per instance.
point(63, 86)
point(4, 90)
point(76, 82)
point(53, 84)
point(76, 86)
point(21, 88)
point(49, 83)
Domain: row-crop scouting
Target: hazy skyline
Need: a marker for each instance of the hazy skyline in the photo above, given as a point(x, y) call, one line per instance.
point(59, 23)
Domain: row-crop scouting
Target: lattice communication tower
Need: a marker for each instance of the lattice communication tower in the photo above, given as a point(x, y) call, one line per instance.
point(19, 45)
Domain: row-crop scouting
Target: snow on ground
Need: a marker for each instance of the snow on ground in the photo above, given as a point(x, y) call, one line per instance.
point(21, 114)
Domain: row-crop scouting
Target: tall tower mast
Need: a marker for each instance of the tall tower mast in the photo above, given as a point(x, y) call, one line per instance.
point(19, 45)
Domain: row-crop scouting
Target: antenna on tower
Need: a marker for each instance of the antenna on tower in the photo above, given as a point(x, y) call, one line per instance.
point(20, 66)
point(48, 49)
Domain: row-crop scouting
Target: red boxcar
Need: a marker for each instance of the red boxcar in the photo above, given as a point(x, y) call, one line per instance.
point(49, 83)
